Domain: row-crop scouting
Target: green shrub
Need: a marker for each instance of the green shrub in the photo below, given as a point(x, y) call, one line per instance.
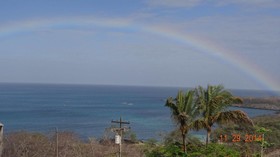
point(174, 150)
point(217, 150)
point(166, 151)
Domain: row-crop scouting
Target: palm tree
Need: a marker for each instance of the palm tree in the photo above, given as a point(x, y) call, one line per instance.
point(183, 111)
point(213, 103)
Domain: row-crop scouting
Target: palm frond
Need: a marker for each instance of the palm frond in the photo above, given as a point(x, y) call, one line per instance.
point(237, 117)
point(199, 124)
point(183, 108)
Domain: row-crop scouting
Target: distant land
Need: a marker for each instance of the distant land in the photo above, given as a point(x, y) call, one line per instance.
point(268, 103)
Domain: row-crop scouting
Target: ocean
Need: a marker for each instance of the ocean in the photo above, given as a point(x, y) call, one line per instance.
point(88, 110)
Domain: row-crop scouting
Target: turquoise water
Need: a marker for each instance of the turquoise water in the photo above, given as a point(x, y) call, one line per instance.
point(88, 110)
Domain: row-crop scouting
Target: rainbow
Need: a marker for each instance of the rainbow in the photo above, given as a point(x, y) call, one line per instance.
point(261, 77)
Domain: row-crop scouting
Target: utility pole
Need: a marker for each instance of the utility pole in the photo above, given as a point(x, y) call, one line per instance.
point(56, 132)
point(262, 145)
point(119, 132)
point(1, 138)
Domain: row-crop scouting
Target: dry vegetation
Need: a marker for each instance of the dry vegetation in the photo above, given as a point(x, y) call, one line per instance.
point(26, 144)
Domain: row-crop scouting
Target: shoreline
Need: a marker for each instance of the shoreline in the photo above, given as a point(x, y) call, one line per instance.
point(264, 103)
point(256, 106)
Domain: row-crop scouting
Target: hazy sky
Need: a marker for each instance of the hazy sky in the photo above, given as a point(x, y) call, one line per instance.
point(150, 42)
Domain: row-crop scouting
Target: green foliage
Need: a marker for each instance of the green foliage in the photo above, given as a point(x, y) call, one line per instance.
point(212, 150)
point(151, 142)
point(133, 137)
point(130, 135)
point(268, 125)
point(172, 137)
point(175, 136)
point(184, 112)
point(183, 109)
point(213, 103)
point(217, 150)
point(173, 150)
point(195, 148)
point(271, 123)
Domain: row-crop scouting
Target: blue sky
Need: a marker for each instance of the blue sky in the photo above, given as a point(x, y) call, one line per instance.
point(125, 42)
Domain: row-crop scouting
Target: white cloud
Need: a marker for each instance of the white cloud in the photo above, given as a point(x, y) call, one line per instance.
point(192, 3)
point(174, 3)
point(256, 3)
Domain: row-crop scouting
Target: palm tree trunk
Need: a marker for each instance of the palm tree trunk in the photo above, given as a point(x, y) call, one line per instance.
point(208, 137)
point(184, 142)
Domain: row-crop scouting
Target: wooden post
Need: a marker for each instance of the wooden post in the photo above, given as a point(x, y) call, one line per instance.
point(120, 132)
point(1, 138)
point(262, 145)
point(56, 132)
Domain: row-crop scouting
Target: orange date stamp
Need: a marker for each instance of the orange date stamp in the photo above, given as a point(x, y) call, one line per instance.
point(240, 138)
